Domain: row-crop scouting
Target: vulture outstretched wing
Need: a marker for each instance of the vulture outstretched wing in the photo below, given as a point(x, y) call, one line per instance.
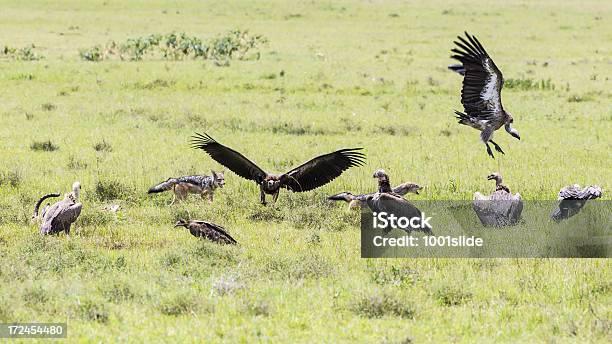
point(482, 82)
point(228, 157)
point(321, 170)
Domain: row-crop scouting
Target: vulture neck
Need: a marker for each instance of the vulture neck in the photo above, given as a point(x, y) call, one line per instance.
point(76, 192)
point(384, 185)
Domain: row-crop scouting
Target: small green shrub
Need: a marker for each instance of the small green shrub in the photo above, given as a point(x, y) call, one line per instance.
point(109, 189)
point(92, 310)
point(451, 296)
point(26, 53)
point(103, 147)
point(377, 305)
point(46, 146)
point(178, 304)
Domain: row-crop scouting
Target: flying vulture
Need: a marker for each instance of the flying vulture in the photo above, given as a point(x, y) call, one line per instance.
point(481, 92)
point(308, 176)
point(499, 209)
point(61, 215)
point(573, 198)
point(207, 230)
point(357, 201)
point(385, 200)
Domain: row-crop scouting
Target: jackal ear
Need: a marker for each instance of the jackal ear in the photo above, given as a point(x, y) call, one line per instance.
point(213, 172)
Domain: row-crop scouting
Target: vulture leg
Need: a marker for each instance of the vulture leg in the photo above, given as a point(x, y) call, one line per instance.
point(262, 195)
point(275, 196)
point(497, 147)
point(489, 150)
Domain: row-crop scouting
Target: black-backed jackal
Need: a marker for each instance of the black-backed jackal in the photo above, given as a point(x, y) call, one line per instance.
point(203, 185)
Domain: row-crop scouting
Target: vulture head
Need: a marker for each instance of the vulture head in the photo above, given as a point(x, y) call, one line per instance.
point(76, 191)
point(408, 188)
point(181, 223)
point(511, 130)
point(496, 177)
point(343, 196)
point(381, 175)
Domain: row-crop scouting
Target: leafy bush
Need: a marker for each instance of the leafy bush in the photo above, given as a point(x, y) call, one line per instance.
point(94, 54)
point(451, 296)
point(22, 54)
point(92, 310)
point(178, 304)
point(529, 84)
point(178, 46)
point(103, 147)
point(12, 178)
point(46, 146)
point(376, 305)
point(108, 189)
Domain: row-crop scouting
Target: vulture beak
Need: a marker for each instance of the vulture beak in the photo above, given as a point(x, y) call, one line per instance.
point(490, 177)
point(180, 223)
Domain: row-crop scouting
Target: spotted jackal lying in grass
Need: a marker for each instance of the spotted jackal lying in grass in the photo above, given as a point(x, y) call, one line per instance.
point(202, 185)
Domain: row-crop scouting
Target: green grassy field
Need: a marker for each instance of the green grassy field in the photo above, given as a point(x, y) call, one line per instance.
point(332, 75)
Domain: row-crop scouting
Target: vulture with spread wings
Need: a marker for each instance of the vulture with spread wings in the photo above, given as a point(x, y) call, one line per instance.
point(481, 92)
point(308, 176)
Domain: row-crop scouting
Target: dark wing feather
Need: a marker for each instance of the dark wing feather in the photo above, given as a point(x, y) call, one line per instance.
point(482, 82)
point(321, 170)
point(228, 157)
point(220, 231)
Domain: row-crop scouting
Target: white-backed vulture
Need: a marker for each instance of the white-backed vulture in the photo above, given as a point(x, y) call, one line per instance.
point(481, 92)
point(499, 209)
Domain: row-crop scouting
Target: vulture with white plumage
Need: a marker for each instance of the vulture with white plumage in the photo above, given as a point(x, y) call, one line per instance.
point(481, 92)
point(499, 209)
point(572, 200)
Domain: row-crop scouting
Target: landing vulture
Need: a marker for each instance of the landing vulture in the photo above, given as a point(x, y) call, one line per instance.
point(573, 198)
point(308, 176)
point(499, 209)
point(481, 92)
point(207, 230)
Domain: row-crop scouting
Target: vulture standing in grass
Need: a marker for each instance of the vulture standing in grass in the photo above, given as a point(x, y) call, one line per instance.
point(385, 200)
point(207, 230)
point(357, 201)
point(61, 215)
point(499, 209)
point(308, 176)
point(573, 198)
point(481, 92)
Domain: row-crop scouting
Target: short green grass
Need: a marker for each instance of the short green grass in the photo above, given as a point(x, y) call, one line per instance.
point(333, 75)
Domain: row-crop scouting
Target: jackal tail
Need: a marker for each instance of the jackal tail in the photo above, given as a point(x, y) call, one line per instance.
point(165, 186)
